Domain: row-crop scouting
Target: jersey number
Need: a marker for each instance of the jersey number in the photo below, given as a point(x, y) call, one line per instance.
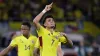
point(27, 47)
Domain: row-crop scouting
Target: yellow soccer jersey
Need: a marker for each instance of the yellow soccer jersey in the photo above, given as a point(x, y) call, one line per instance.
point(49, 44)
point(56, 41)
point(25, 46)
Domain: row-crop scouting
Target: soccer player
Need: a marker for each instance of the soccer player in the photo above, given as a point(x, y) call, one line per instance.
point(49, 40)
point(24, 42)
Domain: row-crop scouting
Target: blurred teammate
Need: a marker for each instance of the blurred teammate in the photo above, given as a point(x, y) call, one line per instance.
point(25, 42)
point(49, 40)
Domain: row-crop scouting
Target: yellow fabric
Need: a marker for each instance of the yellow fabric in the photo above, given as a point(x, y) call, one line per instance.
point(25, 46)
point(37, 45)
point(49, 42)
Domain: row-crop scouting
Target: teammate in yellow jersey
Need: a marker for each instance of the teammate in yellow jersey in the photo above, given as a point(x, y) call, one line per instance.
point(49, 39)
point(25, 42)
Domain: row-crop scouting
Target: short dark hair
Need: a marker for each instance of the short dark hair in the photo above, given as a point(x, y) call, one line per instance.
point(26, 23)
point(45, 17)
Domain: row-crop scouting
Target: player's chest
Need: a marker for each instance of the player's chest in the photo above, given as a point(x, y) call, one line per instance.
point(30, 42)
point(51, 39)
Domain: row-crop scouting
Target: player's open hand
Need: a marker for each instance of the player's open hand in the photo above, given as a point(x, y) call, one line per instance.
point(63, 34)
point(48, 7)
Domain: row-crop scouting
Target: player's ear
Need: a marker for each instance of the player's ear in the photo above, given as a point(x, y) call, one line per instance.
point(45, 24)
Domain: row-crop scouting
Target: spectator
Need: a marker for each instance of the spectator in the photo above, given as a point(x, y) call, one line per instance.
point(96, 51)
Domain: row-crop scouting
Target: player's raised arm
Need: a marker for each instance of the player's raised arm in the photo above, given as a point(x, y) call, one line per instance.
point(39, 16)
point(6, 51)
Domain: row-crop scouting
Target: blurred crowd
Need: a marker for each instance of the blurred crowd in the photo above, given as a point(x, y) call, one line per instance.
point(18, 10)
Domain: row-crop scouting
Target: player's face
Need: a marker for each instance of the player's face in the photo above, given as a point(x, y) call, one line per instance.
point(25, 29)
point(49, 23)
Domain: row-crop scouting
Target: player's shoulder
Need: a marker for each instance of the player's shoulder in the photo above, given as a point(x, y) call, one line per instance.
point(42, 27)
point(17, 37)
point(33, 36)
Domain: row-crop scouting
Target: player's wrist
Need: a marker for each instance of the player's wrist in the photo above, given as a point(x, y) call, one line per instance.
point(44, 11)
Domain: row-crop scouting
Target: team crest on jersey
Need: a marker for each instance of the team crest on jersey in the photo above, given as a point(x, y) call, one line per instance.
point(32, 41)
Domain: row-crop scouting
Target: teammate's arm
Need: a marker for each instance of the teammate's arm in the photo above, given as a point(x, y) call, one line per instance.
point(36, 52)
point(6, 51)
point(59, 51)
point(39, 16)
point(9, 48)
point(37, 48)
point(69, 42)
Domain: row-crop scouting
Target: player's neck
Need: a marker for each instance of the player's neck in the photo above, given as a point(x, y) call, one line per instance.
point(26, 36)
point(50, 29)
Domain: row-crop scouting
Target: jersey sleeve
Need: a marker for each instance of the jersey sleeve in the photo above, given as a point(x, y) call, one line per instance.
point(37, 44)
point(63, 39)
point(40, 30)
point(13, 42)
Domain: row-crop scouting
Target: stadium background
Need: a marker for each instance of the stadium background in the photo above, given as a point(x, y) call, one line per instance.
point(80, 19)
